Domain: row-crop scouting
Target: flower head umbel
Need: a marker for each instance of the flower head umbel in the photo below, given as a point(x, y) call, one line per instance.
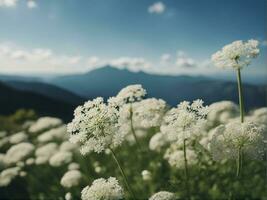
point(175, 156)
point(182, 122)
point(228, 139)
point(103, 189)
point(163, 195)
point(237, 54)
point(129, 94)
point(149, 112)
point(95, 127)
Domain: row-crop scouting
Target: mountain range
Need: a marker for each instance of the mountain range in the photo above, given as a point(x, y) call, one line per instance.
point(108, 81)
point(12, 99)
point(59, 95)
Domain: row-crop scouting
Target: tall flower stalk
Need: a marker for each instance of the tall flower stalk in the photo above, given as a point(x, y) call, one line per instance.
point(186, 170)
point(237, 55)
point(123, 174)
point(240, 96)
point(132, 128)
point(184, 123)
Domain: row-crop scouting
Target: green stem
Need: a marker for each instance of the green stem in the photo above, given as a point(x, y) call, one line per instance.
point(240, 95)
point(132, 128)
point(123, 174)
point(186, 171)
point(239, 162)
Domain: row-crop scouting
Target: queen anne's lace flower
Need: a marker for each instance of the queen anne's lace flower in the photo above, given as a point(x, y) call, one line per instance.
point(103, 189)
point(73, 166)
point(95, 127)
point(163, 195)
point(58, 134)
point(221, 112)
point(68, 196)
point(184, 121)
point(175, 157)
point(44, 153)
point(8, 175)
point(19, 152)
point(71, 178)
point(18, 138)
point(149, 112)
point(158, 141)
point(129, 94)
point(60, 158)
point(237, 54)
point(67, 146)
point(146, 175)
point(44, 123)
point(228, 139)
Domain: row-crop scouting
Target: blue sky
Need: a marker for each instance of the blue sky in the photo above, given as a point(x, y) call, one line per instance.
point(167, 36)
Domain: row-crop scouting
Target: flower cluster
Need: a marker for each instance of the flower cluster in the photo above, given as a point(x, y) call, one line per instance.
point(95, 127)
point(237, 54)
point(71, 178)
point(228, 139)
point(221, 112)
point(103, 189)
point(129, 94)
point(163, 195)
point(149, 112)
point(175, 156)
point(184, 121)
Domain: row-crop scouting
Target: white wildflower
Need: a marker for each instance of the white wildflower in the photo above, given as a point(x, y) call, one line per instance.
point(146, 175)
point(23, 174)
point(71, 179)
point(237, 54)
point(19, 152)
point(129, 94)
point(60, 158)
point(73, 166)
point(222, 112)
point(30, 161)
point(44, 123)
point(67, 146)
point(95, 127)
point(44, 153)
point(163, 195)
point(158, 142)
point(149, 112)
point(68, 196)
point(98, 169)
point(185, 121)
point(55, 134)
point(7, 175)
point(230, 138)
point(104, 189)
point(18, 138)
point(175, 157)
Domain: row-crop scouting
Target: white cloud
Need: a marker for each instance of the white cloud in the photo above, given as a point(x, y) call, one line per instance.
point(133, 64)
point(93, 61)
point(165, 58)
point(13, 3)
point(8, 3)
point(15, 59)
point(157, 8)
point(31, 4)
point(183, 61)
